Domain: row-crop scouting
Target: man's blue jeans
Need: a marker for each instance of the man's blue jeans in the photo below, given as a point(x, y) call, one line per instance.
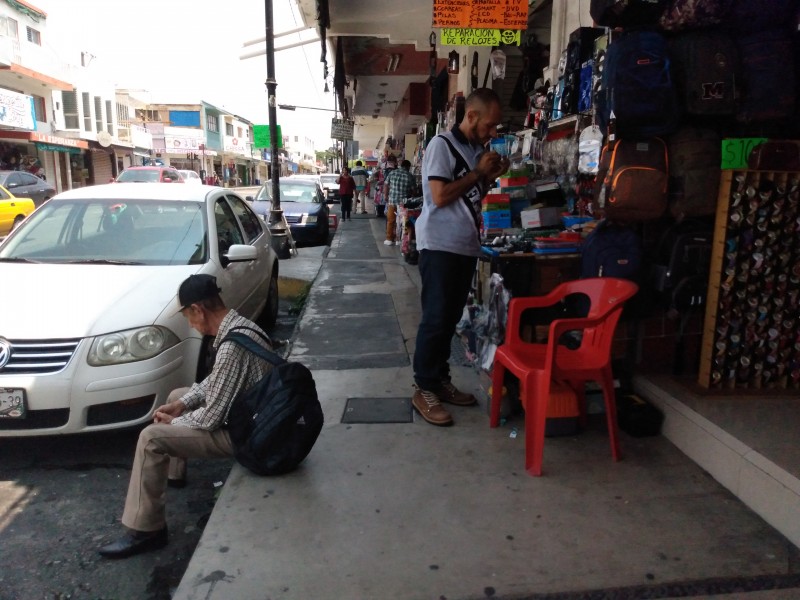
point(446, 281)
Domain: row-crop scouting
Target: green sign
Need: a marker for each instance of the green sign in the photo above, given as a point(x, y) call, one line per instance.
point(261, 137)
point(736, 151)
point(455, 36)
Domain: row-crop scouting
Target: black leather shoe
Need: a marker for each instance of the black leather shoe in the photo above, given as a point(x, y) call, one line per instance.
point(135, 542)
point(176, 483)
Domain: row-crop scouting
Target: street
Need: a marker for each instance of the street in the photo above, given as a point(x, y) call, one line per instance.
point(62, 496)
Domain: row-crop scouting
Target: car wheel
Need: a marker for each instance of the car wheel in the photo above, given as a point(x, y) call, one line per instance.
point(269, 315)
point(207, 357)
point(17, 222)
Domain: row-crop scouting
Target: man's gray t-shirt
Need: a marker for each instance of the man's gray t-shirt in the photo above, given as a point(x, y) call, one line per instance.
point(451, 228)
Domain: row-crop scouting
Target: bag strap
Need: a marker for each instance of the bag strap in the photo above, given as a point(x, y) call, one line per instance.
point(461, 164)
point(249, 344)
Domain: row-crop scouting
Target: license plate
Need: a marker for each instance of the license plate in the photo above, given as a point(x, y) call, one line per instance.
point(12, 403)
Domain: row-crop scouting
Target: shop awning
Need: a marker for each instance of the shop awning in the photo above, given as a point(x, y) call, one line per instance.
point(54, 148)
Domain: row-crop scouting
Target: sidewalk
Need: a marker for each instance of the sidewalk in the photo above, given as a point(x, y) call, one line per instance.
point(411, 511)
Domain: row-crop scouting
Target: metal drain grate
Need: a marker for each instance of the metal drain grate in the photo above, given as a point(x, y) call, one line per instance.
point(377, 410)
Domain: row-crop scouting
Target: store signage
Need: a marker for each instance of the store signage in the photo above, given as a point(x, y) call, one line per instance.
point(736, 151)
point(454, 36)
point(262, 139)
point(44, 138)
point(16, 110)
point(491, 14)
point(342, 129)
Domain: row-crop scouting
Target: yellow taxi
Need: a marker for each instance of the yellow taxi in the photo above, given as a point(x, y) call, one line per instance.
point(13, 210)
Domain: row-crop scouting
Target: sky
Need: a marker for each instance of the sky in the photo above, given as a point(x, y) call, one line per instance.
point(189, 50)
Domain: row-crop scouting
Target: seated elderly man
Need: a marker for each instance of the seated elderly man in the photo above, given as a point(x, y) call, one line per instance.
point(191, 423)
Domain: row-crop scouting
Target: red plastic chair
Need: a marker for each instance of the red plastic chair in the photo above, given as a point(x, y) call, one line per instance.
point(536, 365)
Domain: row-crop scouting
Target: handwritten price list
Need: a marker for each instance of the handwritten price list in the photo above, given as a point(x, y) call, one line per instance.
point(495, 14)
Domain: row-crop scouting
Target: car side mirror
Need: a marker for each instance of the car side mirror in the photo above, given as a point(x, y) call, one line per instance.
point(249, 198)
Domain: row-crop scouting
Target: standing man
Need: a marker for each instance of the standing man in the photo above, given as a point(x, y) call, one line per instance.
point(191, 423)
point(360, 177)
point(399, 185)
point(456, 173)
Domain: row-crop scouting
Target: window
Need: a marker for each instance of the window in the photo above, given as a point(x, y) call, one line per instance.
point(109, 119)
point(98, 114)
point(249, 221)
point(87, 111)
point(228, 232)
point(229, 129)
point(70, 102)
point(238, 132)
point(211, 123)
point(39, 108)
point(34, 37)
point(9, 27)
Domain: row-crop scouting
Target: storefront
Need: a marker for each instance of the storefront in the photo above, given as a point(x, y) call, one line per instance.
point(717, 228)
point(59, 160)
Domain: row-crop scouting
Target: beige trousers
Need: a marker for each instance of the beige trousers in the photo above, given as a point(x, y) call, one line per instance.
point(158, 448)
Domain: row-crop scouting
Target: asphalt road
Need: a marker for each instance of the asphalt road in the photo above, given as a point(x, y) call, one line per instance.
point(61, 497)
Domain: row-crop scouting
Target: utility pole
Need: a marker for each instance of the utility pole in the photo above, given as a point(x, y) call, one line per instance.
point(281, 235)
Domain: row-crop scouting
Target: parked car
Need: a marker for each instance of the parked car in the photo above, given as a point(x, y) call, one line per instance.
point(91, 337)
point(331, 188)
point(149, 175)
point(303, 204)
point(13, 210)
point(190, 176)
point(26, 185)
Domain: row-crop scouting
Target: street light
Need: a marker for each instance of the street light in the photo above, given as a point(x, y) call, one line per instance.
point(293, 107)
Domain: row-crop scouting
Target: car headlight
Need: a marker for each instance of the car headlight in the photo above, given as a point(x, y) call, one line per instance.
point(130, 346)
point(311, 219)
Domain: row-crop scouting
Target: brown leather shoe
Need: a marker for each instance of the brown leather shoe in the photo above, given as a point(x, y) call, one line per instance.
point(428, 406)
point(452, 395)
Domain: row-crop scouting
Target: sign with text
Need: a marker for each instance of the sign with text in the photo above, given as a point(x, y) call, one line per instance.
point(492, 14)
point(342, 129)
point(453, 36)
point(736, 151)
point(261, 137)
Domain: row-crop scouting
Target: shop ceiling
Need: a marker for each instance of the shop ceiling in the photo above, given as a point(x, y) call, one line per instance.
point(386, 46)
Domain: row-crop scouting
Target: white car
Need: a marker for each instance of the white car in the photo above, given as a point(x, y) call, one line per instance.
point(190, 176)
point(90, 333)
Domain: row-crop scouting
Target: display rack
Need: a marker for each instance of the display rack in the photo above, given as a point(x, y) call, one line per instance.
point(751, 335)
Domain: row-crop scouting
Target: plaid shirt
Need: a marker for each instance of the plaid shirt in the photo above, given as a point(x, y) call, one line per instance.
point(235, 369)
point(401, 185)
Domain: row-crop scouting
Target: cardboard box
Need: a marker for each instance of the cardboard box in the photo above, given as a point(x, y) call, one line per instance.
point(540, 217)
point(512, 181)
point(496, 199)
point(496, 219)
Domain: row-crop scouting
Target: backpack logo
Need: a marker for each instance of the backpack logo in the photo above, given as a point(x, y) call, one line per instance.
point(714, 91)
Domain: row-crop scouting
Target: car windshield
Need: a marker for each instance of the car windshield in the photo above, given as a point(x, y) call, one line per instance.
point(328, 179)
point(141, 232)
point(143, 175)
point(291, 191)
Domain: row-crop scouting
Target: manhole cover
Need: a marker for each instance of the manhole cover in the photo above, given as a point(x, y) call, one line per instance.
point(377, 410)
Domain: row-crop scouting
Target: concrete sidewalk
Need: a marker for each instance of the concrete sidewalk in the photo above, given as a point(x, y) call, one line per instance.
point(412, 511)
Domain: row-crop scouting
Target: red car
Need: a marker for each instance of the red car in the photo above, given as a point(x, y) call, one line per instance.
point(149, 175)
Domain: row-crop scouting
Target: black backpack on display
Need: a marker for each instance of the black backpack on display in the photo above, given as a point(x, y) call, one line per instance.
point(680, 269)
point(274, 424)
point(612, 250)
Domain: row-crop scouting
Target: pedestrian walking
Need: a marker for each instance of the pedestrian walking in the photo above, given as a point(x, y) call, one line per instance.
point(399, 185)
point(360, 176)
point(347, 187)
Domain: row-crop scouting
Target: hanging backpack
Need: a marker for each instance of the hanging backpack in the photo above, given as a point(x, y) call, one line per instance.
point(757, 15)
point(680, 15)
point(632, 181)
point(626, 13)
point(274, 424)
point(612, 250)
point(768, 76)
point(694, 172)
point(638, 86)
point(680, 269)
point(706, 68)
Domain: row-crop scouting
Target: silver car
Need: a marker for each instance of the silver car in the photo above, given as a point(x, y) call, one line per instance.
point(90, 333)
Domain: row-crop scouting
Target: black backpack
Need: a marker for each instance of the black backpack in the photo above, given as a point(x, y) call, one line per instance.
point(612, 250)
point(274, 424)
point(680, 270)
